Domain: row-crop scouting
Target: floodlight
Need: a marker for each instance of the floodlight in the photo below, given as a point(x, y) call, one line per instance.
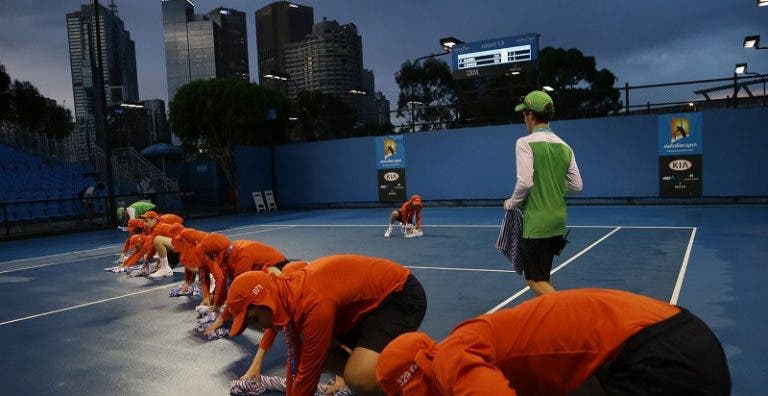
point(752, 41)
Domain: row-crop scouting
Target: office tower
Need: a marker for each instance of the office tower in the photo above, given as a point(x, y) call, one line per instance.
point(233, 55)
point(199, 47)
point(118, 55)
point(329, 60)
point(278, 25)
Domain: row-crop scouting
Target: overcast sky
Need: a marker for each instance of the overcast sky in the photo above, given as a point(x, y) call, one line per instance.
point(642, 42)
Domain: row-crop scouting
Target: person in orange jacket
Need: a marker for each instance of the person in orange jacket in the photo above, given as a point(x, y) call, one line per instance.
point(358, 301)
point(409, 214)
point(162, 240)
point(574, 342)
point(237, 257)
point(185, 243)
point(134, 227)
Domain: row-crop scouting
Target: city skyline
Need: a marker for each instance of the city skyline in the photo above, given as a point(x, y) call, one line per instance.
point(652, 42)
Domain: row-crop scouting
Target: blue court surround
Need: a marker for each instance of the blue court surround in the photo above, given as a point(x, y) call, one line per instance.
point(67, 327)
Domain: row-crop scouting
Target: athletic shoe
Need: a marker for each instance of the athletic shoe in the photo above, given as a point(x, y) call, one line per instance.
point(119, 269)
point(110, 269)
point(389, 231)
point(161, 273)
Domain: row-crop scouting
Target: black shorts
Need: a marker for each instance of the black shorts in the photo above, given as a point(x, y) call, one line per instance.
point(173, 258)
point(677, 356)
point(399, 313)
point(537, 254)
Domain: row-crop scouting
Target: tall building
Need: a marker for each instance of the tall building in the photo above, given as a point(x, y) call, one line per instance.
point(278, 25)
point(118, 55)
point(329, 60)
point(233, 54)
point(199, 47)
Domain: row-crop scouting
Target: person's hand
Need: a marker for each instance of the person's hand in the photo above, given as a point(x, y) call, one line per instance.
point(508, 204)
point(214, 308)
point(336, 386)
point(251, 373)
point(206, 301)
point(215, 325)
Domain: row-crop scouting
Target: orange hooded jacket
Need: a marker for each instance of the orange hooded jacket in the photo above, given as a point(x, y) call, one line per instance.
point(411, 209)
point(324, 299)
point(548, 345)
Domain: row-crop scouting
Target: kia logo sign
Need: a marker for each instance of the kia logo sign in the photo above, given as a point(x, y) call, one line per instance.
point(680, 165)
point(392, 176)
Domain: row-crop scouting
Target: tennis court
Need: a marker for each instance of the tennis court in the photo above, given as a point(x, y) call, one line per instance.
point(74, 329)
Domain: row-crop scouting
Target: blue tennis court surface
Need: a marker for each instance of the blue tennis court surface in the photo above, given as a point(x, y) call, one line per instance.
point(68, 327)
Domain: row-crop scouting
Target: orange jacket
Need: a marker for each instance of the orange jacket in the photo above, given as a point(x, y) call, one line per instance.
point(407, 213)
point(548, 345)
point(269, 334)
point(324, 299)
point(250, 256)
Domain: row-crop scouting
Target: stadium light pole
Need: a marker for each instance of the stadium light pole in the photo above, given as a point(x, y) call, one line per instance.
point(447, 43)
point(741, 68)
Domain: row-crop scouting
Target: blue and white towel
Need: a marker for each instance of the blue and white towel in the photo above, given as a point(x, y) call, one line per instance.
point(510, 236)
point(192, 290)
point(204, 322)
point(257, 386)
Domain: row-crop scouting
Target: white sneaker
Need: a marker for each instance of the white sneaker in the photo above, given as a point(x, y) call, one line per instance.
point(389, 231)
point(161, 273)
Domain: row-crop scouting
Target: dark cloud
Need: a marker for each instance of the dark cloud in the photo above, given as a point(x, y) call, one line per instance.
point(640, 41)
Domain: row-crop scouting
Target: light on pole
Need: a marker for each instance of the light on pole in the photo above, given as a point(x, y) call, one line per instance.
point(741, 68)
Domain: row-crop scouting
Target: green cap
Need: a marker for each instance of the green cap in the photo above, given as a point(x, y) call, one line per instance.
point(120, 212)
point(536, 101)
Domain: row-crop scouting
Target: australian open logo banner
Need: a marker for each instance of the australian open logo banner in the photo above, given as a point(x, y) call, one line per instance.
point(681, 134)
point(390, 152)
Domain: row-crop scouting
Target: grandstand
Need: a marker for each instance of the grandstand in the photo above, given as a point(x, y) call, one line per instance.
point(35, 190)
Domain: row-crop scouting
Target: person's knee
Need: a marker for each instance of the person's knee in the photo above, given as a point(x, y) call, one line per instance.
point(362, 382)
point(360, 376)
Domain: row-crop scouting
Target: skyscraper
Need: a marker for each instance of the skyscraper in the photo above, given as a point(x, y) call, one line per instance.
point(199, 47)
point(118, 55)
point(233, 56)
point(278, 25)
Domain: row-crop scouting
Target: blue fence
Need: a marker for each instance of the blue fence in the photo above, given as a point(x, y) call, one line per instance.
point(618, 158)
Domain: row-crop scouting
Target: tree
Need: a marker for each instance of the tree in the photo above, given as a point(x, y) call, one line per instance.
point(427, 96)
point(213, 116)
point(33, 112)
point(5, 95)
point(581, 90)
point(322, 116)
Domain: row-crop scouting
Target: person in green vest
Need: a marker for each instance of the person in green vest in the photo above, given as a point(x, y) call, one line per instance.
point(546, 172)
point(133, 211)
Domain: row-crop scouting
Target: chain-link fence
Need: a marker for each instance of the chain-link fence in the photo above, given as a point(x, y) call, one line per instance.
point(493, 104)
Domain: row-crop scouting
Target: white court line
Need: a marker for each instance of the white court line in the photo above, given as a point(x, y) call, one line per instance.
point(480, 226)
point(683, 267)
point(83, 305)
point(260, 231)
point(108, 255)
point(574, 257)
point(459, 269)
point(60, 254)
point(57, 263)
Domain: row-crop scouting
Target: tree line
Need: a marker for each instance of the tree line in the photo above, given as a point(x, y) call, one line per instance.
point(23, 105)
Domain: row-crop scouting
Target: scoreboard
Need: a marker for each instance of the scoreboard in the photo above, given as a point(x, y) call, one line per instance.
point(508, 55)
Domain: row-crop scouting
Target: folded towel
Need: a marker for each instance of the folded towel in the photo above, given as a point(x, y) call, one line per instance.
point(257, 386)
